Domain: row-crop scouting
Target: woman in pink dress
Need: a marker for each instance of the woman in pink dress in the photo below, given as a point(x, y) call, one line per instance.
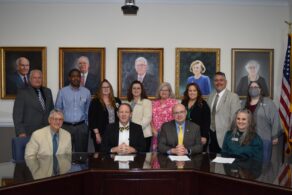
point(161, 110)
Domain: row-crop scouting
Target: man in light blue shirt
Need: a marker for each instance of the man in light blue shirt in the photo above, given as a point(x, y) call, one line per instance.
point(74, 101)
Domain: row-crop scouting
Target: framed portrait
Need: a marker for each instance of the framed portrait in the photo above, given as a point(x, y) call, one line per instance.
point(16, 64)
point(196, 65)
point(90, 62)
point(143, 64)
point(252, 65)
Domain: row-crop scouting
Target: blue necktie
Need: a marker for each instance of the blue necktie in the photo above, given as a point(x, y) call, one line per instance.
point(55, 144)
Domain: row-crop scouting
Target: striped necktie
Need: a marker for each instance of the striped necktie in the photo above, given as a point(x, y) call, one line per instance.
point(41, 99)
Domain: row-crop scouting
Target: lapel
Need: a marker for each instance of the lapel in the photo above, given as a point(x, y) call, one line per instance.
point(116, 134)
point(46, 97)
point(173, 132)
point(49, 140)
point(35, 98)
point(131, 134)
point(187, 131)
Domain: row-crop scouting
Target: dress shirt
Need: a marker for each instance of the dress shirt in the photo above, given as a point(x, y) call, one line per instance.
point(219, 98)
point(177, 127)
point(124, 135)
point(53, 133)
point(84, 76)
point(74, 103)
point(141, 78)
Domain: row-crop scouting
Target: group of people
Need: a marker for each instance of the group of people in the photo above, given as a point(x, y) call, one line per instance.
point(219, 125)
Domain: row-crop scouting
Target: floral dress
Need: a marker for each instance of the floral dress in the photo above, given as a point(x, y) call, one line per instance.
point(161, 113)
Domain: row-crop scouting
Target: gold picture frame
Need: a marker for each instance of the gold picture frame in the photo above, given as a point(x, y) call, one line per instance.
point(262, 59)
point(68, 58)
point(10, 76)
point(127, 72)
point(210, 57)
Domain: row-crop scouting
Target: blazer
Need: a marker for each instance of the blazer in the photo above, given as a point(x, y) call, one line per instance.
point(91, 83)
point(15, 82)
point(168, 137)
point(142, 115)
point(42, 166)
point(150, 83)
point(201, 116)
point(98, 115)
point(28, 114)
point(225, 113)
point(111, 137)
point(40, 143)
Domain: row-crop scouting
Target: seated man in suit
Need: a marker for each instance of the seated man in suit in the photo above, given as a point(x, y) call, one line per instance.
point(123, 137)
point(51, 139)
point(179, 136)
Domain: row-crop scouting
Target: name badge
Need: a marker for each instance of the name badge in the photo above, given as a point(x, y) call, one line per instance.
point(235, 139)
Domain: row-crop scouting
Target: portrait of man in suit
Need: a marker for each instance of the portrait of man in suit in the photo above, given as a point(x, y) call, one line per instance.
point(17, 62)
point(144, 65)
point(90, 62)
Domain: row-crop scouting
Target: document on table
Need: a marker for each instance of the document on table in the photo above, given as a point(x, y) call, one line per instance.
point(179, 158)
point(124, 158)
point(223, 160)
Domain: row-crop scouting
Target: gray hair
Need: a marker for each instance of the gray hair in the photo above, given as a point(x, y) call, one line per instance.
point(19, 59)
point(82, 57)
point(56, 111)
point(165, 84)
point(142, 59)
point(252, 62)
point(34, 72)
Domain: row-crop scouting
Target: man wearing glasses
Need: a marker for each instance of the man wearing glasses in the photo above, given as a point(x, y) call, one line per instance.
point(180, 137)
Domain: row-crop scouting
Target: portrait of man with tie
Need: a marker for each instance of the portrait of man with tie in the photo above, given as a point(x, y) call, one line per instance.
point(18, 62)
point(90, 62)
point(180, 136)
point(144, 66)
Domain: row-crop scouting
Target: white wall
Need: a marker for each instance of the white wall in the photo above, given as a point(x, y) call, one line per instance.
point(167, 26)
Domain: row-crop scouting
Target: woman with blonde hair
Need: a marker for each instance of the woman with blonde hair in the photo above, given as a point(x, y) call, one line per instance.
point(198, 68)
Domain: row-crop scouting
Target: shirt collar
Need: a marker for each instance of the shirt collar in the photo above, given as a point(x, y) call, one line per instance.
point(121, 125)
point(221, 92)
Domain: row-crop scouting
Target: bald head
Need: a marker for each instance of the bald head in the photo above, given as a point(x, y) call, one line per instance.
point(179, 113)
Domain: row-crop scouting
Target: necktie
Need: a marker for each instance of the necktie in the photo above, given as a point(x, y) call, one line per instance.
point(41, 99)
point(55, 144)
point(124, 128)
point(25, 81)
point(213, 125)
point(55, 165)
point(82, 79)
point(180, 135)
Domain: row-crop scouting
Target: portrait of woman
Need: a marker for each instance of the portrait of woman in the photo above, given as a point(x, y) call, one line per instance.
point(252, 68)
point(198, 68)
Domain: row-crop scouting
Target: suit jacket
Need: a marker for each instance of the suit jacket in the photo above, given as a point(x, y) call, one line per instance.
point(111, 137)
point(142, 115)
point(15, 82)
point(225, 113)
point(98, 111)
point(168, 137)
point(28, 114)
point(91, 83)
point(41, 143)
point(150, 83)
point(42, 166)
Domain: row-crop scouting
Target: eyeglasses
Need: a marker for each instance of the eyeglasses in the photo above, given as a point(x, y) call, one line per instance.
point(105, 87)
point(179, 112)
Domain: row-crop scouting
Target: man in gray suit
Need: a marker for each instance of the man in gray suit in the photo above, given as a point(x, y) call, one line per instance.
point(223, 104)
point(180, 137)
point(32, 106)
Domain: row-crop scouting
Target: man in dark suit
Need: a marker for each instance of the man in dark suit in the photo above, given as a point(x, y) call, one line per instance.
point(179, 136)
point(149, 81)
point(32, 106)
point(88, 79)
point(123, 137)
point(18, 79)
